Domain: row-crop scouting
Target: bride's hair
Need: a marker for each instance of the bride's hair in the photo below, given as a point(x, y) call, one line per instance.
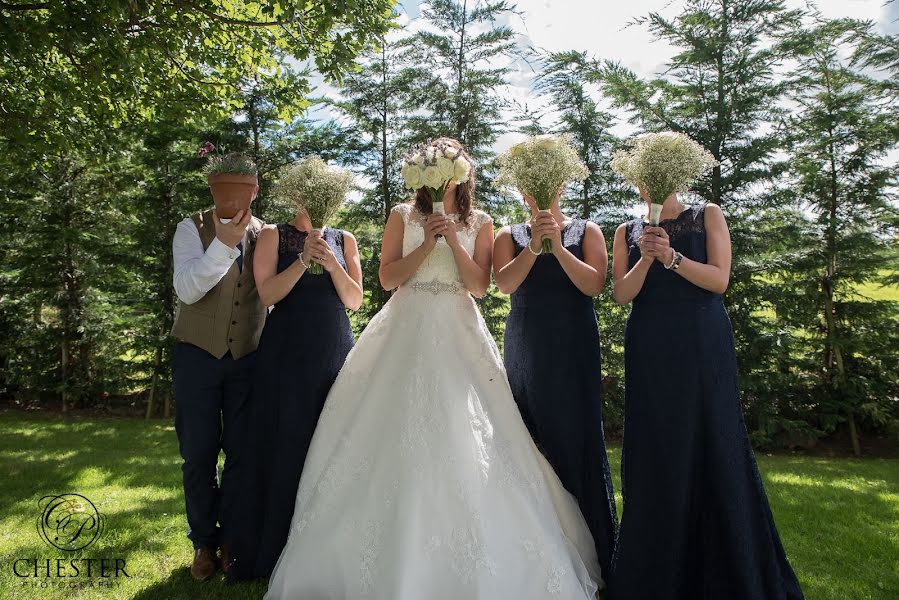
point(464, 191)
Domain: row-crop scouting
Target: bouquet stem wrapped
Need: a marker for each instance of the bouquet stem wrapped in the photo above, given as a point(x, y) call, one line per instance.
point(541, 167)
point(662, 164)
point(317, 189)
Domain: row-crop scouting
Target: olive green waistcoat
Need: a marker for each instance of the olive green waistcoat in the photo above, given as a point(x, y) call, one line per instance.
point(230, 316)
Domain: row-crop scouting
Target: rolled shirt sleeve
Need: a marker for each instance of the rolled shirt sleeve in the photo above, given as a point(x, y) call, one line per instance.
point(198, 271)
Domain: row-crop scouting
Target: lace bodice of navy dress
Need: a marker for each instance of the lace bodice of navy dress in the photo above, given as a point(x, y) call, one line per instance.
point(686, 234)
point(311, 288)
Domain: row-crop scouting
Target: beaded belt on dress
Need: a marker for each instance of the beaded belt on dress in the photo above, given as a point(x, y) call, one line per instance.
point(436, 287)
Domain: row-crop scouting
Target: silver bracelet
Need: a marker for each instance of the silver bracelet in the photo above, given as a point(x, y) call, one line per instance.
point(532, 250)
point(302, 262)
point(675, 261)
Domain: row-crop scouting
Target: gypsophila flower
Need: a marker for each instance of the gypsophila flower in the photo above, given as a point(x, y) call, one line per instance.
point(662, 164)
point(541, 167)
point(317, 189)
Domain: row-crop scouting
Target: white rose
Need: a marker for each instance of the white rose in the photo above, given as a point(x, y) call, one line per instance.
point(461, 170)
point(450, 152)
point(412, 175)
point(431, 177)
point(446, 167)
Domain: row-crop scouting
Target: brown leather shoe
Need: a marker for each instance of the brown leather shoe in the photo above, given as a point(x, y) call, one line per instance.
point(204, 564)
point(225, 558)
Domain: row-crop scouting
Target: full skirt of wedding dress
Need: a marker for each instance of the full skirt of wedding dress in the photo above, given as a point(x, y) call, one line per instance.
point(422, 481)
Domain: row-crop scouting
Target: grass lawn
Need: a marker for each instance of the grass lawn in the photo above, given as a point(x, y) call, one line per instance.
point(839, 518)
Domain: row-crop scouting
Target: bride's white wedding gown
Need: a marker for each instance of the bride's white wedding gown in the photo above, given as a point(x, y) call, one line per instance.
point(422, 482)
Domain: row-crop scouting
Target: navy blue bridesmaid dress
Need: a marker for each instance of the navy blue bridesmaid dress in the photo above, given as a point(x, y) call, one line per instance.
point(304, 344)
point(552, 358)
point(696, 522)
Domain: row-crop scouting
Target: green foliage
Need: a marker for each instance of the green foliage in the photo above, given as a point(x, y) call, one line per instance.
point(378, 105)
point(602, 195)
point(103, 105)
point(722, 88)
point(66, 67)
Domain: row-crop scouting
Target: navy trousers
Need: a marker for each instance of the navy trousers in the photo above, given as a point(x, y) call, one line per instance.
point(210, 409)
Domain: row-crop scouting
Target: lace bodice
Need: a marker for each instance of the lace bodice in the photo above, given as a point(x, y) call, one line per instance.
point(547, 282)
point(686, 234)
point(438, 272)
point(311, 289)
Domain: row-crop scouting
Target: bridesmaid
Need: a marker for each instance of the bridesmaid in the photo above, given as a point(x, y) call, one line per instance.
point(303, 346)
point(552, 353)
point(696, 521)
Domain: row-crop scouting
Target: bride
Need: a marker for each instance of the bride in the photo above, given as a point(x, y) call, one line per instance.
point(422, 480)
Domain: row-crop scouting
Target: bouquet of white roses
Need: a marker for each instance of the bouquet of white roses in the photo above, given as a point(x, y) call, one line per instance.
point(433, 166)
point(662, 164)
point(540, 167)
point(316, 188)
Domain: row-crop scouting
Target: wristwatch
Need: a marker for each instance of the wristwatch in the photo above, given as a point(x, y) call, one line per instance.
point(675, 261)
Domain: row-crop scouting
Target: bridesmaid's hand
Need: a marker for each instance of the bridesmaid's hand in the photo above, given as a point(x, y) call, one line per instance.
point(655, 243)
point(321, 252)
point(545, 227)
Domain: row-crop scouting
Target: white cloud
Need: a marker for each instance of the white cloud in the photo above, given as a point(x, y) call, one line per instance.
point(601, 28)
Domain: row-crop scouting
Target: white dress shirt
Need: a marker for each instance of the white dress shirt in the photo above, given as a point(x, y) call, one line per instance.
point(197, 271)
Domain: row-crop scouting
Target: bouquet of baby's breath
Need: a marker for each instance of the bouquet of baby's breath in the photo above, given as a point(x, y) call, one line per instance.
point(540, 167)
point(662, 164)
point(433, 166)
point(317, 189)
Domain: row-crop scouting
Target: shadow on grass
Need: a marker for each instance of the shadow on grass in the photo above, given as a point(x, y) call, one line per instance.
point(43, 456)
point(180, 586)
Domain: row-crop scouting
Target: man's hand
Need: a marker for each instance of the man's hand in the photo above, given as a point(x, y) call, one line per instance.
point(231, 234)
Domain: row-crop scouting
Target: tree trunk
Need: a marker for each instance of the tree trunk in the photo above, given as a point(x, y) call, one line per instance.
point(462, 115)
point(834, 352)
point(157, 368)
point(73, 354)
point(167, 293)
point(381, 296)
point(64, 361)
point(253, 117)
